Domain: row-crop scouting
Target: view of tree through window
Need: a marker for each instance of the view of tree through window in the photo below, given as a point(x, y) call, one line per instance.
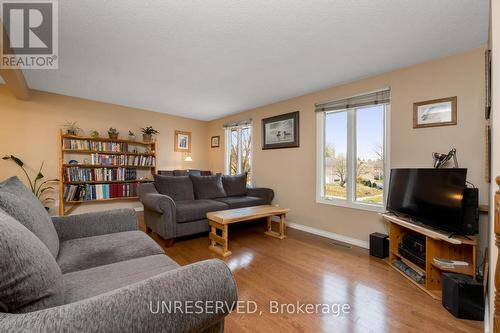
point(240, 151)
point(368, 157)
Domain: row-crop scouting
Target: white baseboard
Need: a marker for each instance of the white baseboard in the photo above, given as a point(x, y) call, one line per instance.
point(331, 235)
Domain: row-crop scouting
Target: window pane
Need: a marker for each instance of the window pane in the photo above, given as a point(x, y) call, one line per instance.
point(246, 154)
point(370, 154)
point(335, 155)
point(233, 157)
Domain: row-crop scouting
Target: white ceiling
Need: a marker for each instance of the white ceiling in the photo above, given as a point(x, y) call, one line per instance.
point(207, 59)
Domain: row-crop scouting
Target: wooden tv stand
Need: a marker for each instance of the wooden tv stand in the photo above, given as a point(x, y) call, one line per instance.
point(438, 244)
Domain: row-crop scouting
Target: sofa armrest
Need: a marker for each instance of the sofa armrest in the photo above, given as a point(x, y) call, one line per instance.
point(94, 224)
point(157, 202)
point(135, 308)
point(261, 192)
point(159, 211)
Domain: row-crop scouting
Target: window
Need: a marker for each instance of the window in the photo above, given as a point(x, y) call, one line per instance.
point(239, 150)
point(352, 154)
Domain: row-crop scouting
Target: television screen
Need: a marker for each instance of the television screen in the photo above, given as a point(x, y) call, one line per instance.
point(431, 196)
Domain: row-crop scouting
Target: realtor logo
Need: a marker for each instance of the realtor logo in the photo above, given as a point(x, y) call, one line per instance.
point(30, 39)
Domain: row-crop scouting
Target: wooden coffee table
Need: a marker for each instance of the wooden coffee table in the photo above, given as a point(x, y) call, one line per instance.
point(220, 220)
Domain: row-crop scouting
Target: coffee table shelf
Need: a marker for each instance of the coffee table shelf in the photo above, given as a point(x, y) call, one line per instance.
point(219, 223)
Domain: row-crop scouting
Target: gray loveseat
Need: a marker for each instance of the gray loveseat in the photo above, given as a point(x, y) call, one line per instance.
point(176, 206)
point(96, 272)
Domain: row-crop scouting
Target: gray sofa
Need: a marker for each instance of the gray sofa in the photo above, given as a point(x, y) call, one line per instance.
point(176, 206)
point(96, 272)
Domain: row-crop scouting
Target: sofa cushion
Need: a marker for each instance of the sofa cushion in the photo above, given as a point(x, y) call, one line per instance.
point(30, 278)
point(82, 253)
point(208, 187)
point(98, 280)
point(244, 201)
point(181, 173)
point(191, 210)
point(235, 185)
point(17, 201)
point(176, 187)
point(187, 172)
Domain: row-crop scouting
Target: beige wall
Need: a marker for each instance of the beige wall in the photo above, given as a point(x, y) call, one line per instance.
point(292, 172)
point(30, 129)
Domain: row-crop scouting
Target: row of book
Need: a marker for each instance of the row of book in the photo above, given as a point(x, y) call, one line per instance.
point(75, 144)
point(98, 192)
point(100, 159)
point(77, 174)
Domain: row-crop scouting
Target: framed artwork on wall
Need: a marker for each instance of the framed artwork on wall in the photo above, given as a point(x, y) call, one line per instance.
point(436, 112)
point(215, 141)
point(182, 141)
point(281, 131)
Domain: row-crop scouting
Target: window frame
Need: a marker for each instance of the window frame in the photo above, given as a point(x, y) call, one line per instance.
point(227, 152)
point(350, 200)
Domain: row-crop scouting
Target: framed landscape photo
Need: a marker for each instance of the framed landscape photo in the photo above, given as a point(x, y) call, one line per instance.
point(182, 141)
point(215, 141)
point(281, 131)
point(436, 112)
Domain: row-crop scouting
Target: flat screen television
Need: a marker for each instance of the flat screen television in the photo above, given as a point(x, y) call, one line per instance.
point(431, 196)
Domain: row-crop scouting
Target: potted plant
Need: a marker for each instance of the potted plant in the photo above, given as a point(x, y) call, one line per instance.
point(113, 133)
point(131, 135)
point(72, 128)
point(148, 132)
point(94, 134)
point(39, 186)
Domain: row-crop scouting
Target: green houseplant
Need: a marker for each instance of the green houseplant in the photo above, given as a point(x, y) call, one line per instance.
point(148, 132)
point(113, 133)
point(72, 128)
point(39, 186)
point(131, 135)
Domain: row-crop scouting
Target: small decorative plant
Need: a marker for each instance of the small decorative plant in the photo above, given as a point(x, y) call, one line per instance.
point(39, 186)
point(113, 133)
point(94, 134)
point(72, 128)
point(148, 132)
point(131, 136)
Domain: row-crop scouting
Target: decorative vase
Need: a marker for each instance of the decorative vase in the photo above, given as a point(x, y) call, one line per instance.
point(113, 136)
point(147, 137)
point(131, 137)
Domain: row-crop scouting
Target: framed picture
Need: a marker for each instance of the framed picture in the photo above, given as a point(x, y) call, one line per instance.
point(281, 131)
point(182, 141)
point(215, 141)
point(437, 112)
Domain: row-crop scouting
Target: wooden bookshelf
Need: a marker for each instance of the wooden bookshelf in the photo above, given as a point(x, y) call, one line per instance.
point(438, 244)
point(97, 166)
point(142, 149)
point(105, 152)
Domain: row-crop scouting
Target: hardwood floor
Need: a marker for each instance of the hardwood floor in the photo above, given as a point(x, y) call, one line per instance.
point(313, 269)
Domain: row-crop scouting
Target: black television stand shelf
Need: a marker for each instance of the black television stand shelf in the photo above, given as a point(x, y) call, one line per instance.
point(438, 245)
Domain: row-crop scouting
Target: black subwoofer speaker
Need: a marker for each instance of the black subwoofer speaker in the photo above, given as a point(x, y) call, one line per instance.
point(462, 297)
point(379, 245)
point(470, 211)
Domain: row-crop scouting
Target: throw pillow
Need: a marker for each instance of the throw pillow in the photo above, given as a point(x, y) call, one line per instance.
point(20, 203)
point(208, 187)
point(30, 278)
point(235, 185)
point(177, 187)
